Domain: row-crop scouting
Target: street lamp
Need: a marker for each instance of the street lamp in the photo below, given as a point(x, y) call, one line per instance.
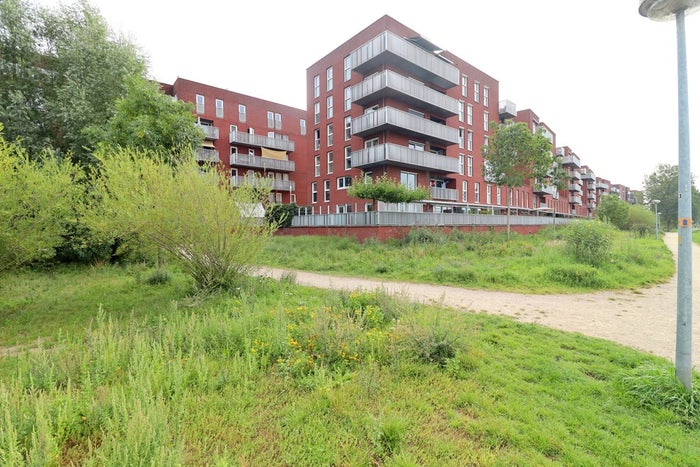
point(656, 202)
point(664, 10)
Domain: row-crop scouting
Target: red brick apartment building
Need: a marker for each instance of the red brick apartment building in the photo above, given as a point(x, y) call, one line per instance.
point(386, 101)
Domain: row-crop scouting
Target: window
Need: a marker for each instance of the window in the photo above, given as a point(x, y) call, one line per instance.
point(329, 107)
point(486, 140)
point(314, 192)
point(302, 126)
point(317, 139)
point(278, 198)
point(486, 121)
point(348, 158)
point(488, 194)
point(470, 140)
point(241, 113)
point(465, 86)
point(200, 103)
point(317, 86)
point(409, 179)
point(461, 164)
point(498, 195)
point(270, 119)
point(465, 187)
point(470, 166)
point(347, 103)
point(329, 135)
point(234, 150)
point(343, 208)
point(477, 88)
point(344, 182)
point(317, 113)
point(461, 138)
point(470, 114)
point(486, 96)
point(329, 162)
point(293, 198)
point(476, 192)
point(278, 121)
point(370, 143)
point(317, 166)
point(416, 145)
point(219, 108)
point(348, 128)
point(326, 190)
point(347, 68)
point(461, 111)
point(329, 78)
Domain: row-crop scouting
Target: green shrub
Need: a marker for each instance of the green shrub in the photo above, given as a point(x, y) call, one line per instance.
point(578, 275)
point(158, 276)
point(589, 241)
point(280, 215)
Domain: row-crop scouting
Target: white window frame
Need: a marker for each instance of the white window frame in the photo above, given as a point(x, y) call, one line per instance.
point(314, 192)
point(465, 191)
point(477, 88)
point(329, 107)
point(326, 190)
point(486, 121)
point(477, 194)
point(317, 139)
point(348, 128)
point(329, 135)
point(219, 108)
point(329, 162)
point(242, 113)
point(470, 114)
point(199, 103)
point(465, 86)
point(461, 164)
point(317, 86)
point(347, 105)
point(470, 140)
point(470, 166)
point(317, 113)
point(409, 179)
point(329, 78)
point(302, 126)
point(270, 119)
point(348, 157)
point(317, 166)
point(460, 113)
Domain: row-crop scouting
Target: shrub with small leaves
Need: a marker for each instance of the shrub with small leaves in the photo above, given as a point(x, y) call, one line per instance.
point(589, 241)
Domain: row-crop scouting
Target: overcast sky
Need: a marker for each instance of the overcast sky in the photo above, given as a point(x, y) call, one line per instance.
point(600, 75)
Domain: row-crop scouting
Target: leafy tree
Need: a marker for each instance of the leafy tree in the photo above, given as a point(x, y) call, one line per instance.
point(613, 210)
point(515, 155)
point(386, 189)
point(192, 215)
point(662, 184)
point(148, 120)
point(641, 220)
point(36, 204)
point(61, 72)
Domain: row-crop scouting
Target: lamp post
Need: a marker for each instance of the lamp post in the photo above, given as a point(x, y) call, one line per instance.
point(664, 10)
point(656, 202)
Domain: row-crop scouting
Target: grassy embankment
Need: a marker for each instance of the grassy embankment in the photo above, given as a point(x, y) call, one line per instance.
point(134, 372)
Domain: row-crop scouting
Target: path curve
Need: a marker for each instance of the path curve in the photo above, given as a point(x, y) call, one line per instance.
point(644, 319)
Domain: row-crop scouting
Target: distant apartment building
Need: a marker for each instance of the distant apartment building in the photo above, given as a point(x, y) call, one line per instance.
point(385, 102)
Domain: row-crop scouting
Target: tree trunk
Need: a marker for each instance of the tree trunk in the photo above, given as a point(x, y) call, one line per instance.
point(510, 199)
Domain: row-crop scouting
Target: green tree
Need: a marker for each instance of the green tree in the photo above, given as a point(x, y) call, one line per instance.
point(515, 155)
point(148, 120)
point(387, 190)
point(62, 71)
point(192, 215)
point(36, 204)
point(662, 184)
point(613, 210)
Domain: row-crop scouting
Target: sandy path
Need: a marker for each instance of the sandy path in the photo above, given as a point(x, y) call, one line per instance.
point(644, 319)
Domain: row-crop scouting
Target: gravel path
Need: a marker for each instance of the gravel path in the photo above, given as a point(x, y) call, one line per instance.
point(644, 319)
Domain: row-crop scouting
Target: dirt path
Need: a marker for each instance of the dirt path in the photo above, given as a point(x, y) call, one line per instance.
point(644, 319)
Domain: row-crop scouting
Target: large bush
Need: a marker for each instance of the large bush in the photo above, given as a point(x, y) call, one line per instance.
point(589, 241)
point(612, 209)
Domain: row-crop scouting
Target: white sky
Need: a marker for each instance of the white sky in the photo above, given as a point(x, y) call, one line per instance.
point(600, 75)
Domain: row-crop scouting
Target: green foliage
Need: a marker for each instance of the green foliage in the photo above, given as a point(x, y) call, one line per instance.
point(386, 189)
point(662, 184)
point(192, 215)
point(148, 120)
point(281, 214)
point(612, 209)
point(589, 241)
point(36, 204)
point(640, 220)
point(62, 71)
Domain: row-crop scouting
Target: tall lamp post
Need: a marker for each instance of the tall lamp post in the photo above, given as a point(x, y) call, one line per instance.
point(664, 10)
point(656, 202)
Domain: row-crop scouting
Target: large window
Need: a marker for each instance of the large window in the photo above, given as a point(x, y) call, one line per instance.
point(347, 68)
point(317, 86)
point(329, 107)
point(409, 179)
point(347, 103)
point(270, 119)
point(477, 90)
point(470, 140)
point(317, 166)
point(465, 191)
point(302, 126)
point(314, 192)
point(470, 114)
point(219, 108)
point(329, 135)
point(348, 158)
point(326, 190)
point(465, 86)
point(461, 164)
point(461, 138)
point(317, 139)
point(461, 111)
point(348, 128)
point(200, 103)
point(498, 195)
point(241, 113)
point(477, 198)
point(486, 121)
point(486, 96)
point(470, 166)
point(488, 194)
point(329, 78)
point(329, 162)
point(344, 182)
point(317, 113)
point(278, 121)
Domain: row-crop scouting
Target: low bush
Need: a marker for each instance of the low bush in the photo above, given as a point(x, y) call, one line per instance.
point(589, 241)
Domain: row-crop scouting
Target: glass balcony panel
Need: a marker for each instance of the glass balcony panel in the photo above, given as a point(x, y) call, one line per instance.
point(393, 154)
point(391, 119)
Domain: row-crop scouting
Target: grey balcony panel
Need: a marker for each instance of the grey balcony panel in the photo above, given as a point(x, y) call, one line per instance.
point(588, 175)
point(447, 194)
point(417, 95)
point(575, 187)
point(576, 174)
point(572, 160)
point(391, 119)
point(258, 162)
point(402, 156)
point(260, 141)
point(591, 196)
point(273, 184)
point(591, 205)
point(389, 49)
point(544, 190)
point(207, 155)
point(574, 200)
point(603, 186)
point(210, 132)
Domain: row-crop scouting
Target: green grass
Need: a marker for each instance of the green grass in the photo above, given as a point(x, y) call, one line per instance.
point(285, 375)
point(538, 263)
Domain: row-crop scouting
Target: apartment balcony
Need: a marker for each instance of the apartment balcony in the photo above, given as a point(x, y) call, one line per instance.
point(575, 187)
point(265, 163)
point(391, 119)
point(447, 194)
point(587, 175)
point(260, 141)
point(575, 199)
point(207, 155)
point(592, 185)
point(603, 186)
point(390, 50)
point(572, 160)
point(210, 132)
point(402, 156)
point(389, 84)
point(507, 110)
point(576, 174)
point(592, 205)
point(275, 184)
point(544, 190)
point(591, 196)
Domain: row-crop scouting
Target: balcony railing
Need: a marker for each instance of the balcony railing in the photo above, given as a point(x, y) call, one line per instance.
point(591, 196)
point(248, 139)
point(393, 154)
point(258, 162)
point(210, 132)
point(587, 175)
point(273, 183)
point(575, 187)
point(447, 194)
point(591, 205)
point(571, 159)
point(544, 190)
point(603, 186)
point(383, 218)
point(207, 155)
point(389, 118)
point(576, 174)
point(575, 199)
point(391, 84)
point(592, 185)
point(390, 49)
